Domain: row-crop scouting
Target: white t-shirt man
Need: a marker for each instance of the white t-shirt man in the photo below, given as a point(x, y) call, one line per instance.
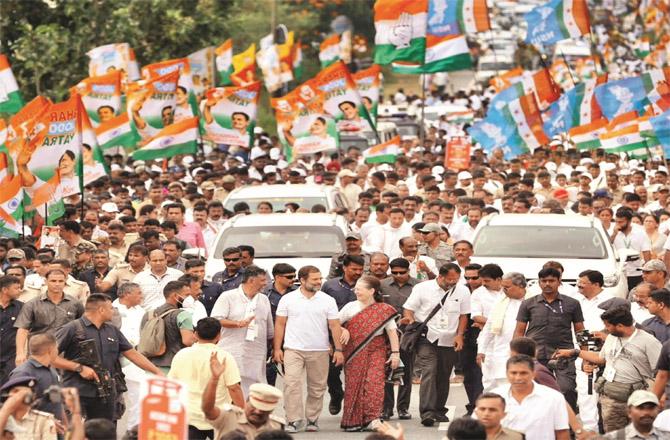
point(637, 240)
point(307, 320)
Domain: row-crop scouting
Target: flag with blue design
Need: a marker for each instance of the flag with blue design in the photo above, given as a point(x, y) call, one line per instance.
point(622, 96)
point(661, 127)
point(557, 20)
point(575, 107)
point(452, 17)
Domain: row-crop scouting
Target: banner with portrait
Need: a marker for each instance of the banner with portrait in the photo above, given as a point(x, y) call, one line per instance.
point(229, 114)
point(151, 104)
point(101, 96)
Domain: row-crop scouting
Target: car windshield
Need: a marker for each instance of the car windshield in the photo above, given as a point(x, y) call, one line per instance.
point(278, 203)
point(284, 241)
point(539, 242)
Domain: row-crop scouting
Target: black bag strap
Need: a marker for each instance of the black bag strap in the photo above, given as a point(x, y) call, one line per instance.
point(439, 305)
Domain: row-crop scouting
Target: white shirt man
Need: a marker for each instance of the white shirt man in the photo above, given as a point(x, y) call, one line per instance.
point(152, 286)
point(636, 240)
point(392, 236)
point(483, 299)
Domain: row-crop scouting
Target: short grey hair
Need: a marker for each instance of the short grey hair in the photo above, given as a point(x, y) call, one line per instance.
point(126, 288)
point(517, 278)
point(251, 272)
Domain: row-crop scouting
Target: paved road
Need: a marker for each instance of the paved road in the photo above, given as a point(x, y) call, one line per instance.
point(330, 425)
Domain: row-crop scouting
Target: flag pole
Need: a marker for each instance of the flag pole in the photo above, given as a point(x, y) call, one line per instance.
point(565, 60)
point(423, 109)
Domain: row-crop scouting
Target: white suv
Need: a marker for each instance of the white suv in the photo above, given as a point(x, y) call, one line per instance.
point(524, 242)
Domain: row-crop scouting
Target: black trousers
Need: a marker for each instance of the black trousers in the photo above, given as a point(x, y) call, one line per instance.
point(404, 390)
point(335, 383)
point(472, 374)
point(97, 408)
point(566, 376)
point(200, 434)
point(437, 364)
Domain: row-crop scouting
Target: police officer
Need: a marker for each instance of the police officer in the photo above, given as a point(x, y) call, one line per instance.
point(125, 272)
point(97, 399)
point(254, 418)
point(18, 395)
point(9, 310)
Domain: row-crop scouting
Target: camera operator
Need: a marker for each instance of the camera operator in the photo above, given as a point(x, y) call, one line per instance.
point(43, 350)
point(590, 286)
point(629, 356)
point(18, 396)
point(92, 347)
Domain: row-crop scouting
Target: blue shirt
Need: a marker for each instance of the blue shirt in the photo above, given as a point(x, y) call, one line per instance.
point(659, 329)
point(340, 290)
point(274, 296)
point(210, 293)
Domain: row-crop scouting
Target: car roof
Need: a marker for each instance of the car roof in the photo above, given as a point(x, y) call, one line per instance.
point(283, 219)
point(567, 220)
point(282, 190)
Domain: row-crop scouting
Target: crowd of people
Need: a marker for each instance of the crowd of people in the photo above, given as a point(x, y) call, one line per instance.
point(117, 292)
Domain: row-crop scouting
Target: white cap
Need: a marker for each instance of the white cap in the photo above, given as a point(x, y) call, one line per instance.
point(585, 160)
point(607, 166)
point(258, 130)
point(550, 166)
point(270, 169)
point(109, 207)
point(257, 152)
point(274, 153)
point(580, 168)
point(590, 177)
point(464, 175)
point(281, 164)
point(625, 172)
point(187, 160)
point(437, 170)
point(300, 171)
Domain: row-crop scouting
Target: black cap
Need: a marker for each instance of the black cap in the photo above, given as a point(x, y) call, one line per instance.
point(26, 381)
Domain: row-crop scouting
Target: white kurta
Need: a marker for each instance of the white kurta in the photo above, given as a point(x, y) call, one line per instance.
point(250, 355)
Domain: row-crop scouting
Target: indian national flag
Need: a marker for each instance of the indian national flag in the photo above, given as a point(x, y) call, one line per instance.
point(224, 62)
point(117, 132)
point(587, 136)
point(179, 138)
point(401, 30)
point(627, 140)
point(329, 50)
point(383, 153)
point(11, 202)
point(506, 79)
point(10, 97)
point(473, 16)
point(443, 54)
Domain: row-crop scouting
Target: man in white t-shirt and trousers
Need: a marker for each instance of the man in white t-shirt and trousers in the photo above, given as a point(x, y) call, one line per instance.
point(633, 238)
point(301, 343)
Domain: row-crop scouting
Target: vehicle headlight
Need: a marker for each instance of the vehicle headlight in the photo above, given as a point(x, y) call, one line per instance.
point(612, 280)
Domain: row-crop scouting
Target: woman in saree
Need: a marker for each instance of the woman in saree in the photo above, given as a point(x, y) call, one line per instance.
point(369, 334)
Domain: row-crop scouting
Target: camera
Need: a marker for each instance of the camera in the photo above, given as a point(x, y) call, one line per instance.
point(558, 364)
point(587, 339)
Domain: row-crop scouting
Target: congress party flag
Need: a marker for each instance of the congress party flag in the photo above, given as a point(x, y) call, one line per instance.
point(101, 96)
point(329, 50)
point(368, 82)
point(117, 132)
point(557, 20)
point(10, 96)
point(657, 84)
point(401, 30)
point(93, 162)
point(244, 67)
point(560, 72)
point(383, 153)
point(11, 200)
point(622, 96)
point(575, 107)
point(201, 63)
point(224, 63)
point(303, 125)
point(151, 104)
point(539, 83)
point(133, 66)
point(186, 105)
point(51, 173)
point(453, 17)
point(230, 114)
point(587, 137)
point(526, 114)
point(661, 127)
point(104, 59)
point(21, 126)
point(496, 131)
point(443, 54)
point(178, 138)
point(506, 79)
point(341, 99)
point(628, 140)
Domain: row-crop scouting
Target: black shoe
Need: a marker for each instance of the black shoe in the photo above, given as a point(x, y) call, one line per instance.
point(335, 405)
point(387, 415)
point(441, 418)
point(428, 422)
point(404, 415)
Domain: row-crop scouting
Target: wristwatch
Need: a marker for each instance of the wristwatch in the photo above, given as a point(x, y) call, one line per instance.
point(79, 368)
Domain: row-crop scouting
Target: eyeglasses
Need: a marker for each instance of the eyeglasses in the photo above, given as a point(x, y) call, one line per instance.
point(398, 272)
point(290, 276)
point(232, 259)
point(426, 232)
point(471, 278)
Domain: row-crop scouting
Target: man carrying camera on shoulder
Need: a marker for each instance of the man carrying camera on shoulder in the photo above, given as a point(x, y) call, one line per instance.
point(629, 357)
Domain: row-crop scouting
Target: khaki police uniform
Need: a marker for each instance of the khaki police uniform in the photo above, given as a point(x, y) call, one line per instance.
point(29, 292)
point(70, 253)
point(36, 425)
point(75, 288)
point(232, 418)
point(121, 274)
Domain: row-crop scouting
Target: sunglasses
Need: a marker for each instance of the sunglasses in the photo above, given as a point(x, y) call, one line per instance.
point(232, 259)
point(398, 272)
point(290, 276)
point(471, 278)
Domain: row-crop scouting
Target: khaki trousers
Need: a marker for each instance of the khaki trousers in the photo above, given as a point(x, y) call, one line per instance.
point(615, 413)
point(296, 363)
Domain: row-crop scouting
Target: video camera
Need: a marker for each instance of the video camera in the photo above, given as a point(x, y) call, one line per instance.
point(588, 340)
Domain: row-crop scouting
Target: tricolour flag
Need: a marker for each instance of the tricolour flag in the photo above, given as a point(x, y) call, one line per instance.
point(179, 138)
point(368, 82)
point(401, 30)
point(224, 62)
point(186, 105)
point(11, 201)
point(575, 107)
point(661, 127)
point(540, 83)
point(383, 153)
point(506, 79)
point(587, 137)
point(329, 50)
point(560, 72)
point(93, 162)
point(443, 54)
point(657, 84)
point(244, 67)
point(557, 20)
point(451, 17)
point(628, 140)
point(101, 96)
point(528, 118)
point(117, 132)
point(10, 97)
